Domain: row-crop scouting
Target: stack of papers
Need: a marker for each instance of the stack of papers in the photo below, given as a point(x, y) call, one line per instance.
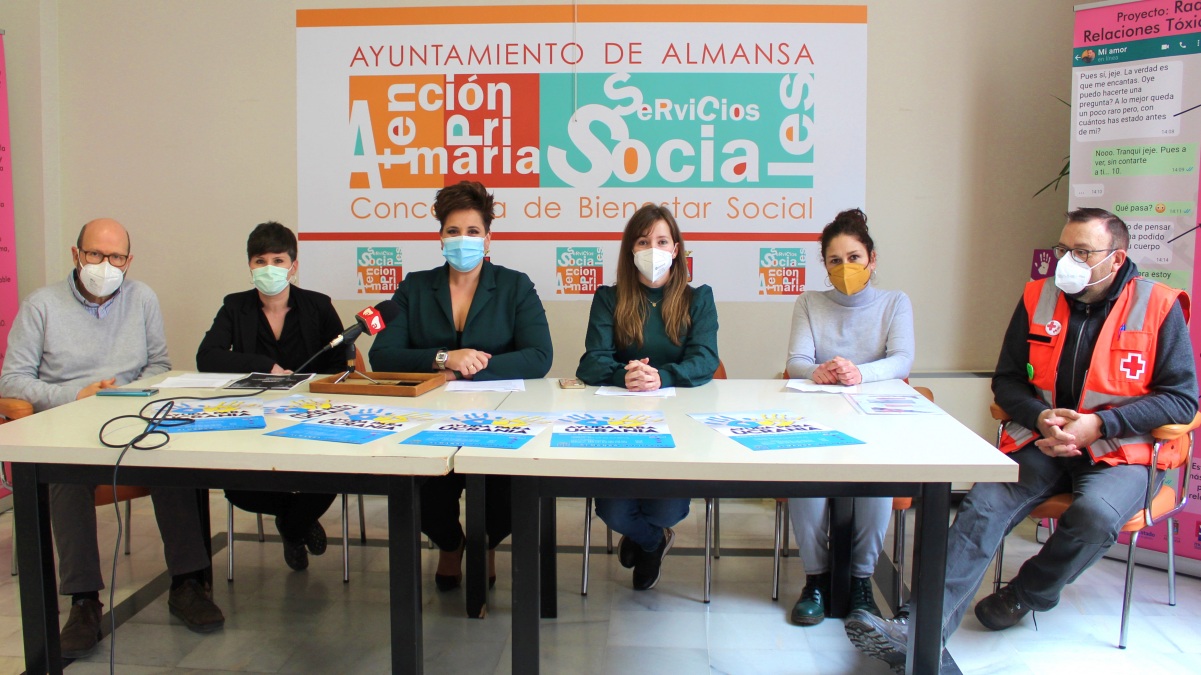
point(893, 404)
point(494, 385)
point(269, 381)
point(233, 381)
point(607, 390)
point(811, 386)
point(197, 381)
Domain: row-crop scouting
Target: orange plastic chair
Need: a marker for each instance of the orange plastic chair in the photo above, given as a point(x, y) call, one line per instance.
point(1158, 506)
point(15, 409)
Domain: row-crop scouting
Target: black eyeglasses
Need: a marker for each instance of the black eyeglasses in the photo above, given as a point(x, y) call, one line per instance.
point(96, 257)
point(1080, 255)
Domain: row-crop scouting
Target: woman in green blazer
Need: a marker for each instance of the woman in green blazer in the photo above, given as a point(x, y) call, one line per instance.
point(473, 320)
point(648, 331)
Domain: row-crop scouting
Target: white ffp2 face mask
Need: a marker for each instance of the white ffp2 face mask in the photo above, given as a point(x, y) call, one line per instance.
point(1072, 276)
point(101, 280)
point(653, 263)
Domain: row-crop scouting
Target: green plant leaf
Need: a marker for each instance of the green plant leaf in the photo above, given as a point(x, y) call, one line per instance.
point(1067, 165)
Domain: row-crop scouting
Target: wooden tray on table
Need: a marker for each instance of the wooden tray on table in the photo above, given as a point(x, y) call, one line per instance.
point(390, 384)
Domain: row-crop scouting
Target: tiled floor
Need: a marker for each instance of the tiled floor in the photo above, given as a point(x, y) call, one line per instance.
point(310, 622)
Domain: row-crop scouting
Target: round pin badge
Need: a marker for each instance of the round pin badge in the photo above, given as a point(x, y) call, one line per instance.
point(1053, 327)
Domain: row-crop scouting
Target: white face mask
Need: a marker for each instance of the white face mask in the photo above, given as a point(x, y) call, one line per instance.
point(1072, 277)
point(653, 263)
point(101, 280)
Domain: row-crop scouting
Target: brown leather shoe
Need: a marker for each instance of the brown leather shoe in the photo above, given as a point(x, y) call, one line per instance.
point(193, 604)
point(79, 637)
point(1002, 609)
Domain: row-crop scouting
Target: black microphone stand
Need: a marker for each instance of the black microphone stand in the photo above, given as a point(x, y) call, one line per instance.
point(351, 354)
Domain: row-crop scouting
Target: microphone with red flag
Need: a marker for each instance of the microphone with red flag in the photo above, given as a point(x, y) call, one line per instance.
point(371, 321)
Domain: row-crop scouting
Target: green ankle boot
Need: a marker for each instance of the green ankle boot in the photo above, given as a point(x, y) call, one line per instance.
point(810, 609)
point(861, 595)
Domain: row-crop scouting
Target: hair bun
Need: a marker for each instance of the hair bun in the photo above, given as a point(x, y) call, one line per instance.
point(853, 218)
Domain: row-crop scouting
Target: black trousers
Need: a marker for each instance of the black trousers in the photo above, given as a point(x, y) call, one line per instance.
point(440, 509)
point(295, 512)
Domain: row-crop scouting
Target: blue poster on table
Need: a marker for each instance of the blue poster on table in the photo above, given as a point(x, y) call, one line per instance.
point(774, 430)
point(303, 407)
point(320, 432)
point(360, 424)
point(222, 414)
point(614, 429)
point(482, 429)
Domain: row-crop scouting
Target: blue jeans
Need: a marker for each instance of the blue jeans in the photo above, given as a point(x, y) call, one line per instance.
point(1105, 498)
point(642, 520)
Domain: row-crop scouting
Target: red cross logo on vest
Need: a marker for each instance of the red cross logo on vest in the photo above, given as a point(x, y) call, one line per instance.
point(1133, 365)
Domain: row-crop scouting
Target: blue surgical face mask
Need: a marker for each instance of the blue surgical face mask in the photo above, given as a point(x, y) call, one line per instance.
point(463, 253)
point(269, 279)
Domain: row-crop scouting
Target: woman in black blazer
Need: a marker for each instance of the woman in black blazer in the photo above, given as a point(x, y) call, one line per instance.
point(274, 328)
point(468, 319)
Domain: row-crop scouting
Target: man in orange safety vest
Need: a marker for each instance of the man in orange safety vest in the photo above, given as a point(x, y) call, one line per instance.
point(1092, 361)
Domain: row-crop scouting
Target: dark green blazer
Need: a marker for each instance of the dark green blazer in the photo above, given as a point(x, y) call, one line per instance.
point(688, 364)
point(506, 320)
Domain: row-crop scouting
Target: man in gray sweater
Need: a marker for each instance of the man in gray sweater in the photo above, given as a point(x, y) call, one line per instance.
point(96, 331)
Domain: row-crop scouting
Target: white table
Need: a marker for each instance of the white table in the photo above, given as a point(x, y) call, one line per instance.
point(911, 455)
point(61, 446)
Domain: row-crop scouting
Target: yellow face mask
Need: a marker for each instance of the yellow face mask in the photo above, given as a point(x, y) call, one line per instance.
point(850, 278)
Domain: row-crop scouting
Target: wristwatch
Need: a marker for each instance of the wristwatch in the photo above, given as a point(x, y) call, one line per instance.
point(440, 359)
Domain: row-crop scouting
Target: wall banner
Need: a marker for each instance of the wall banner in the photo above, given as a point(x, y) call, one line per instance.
point(9, 300)
point(749, 122)
point(1136, 130)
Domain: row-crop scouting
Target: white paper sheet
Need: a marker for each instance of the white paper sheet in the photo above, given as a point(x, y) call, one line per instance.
point(666, 392)
point(894, 404)
point(198, 381)
point(811, 386)
point(494, 385)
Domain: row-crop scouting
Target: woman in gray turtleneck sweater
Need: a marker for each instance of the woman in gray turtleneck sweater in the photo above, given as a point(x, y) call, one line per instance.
point(853, 333)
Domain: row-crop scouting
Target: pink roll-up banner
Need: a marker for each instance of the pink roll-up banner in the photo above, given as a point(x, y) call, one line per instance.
point(1136, 134)
point(8, 246)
